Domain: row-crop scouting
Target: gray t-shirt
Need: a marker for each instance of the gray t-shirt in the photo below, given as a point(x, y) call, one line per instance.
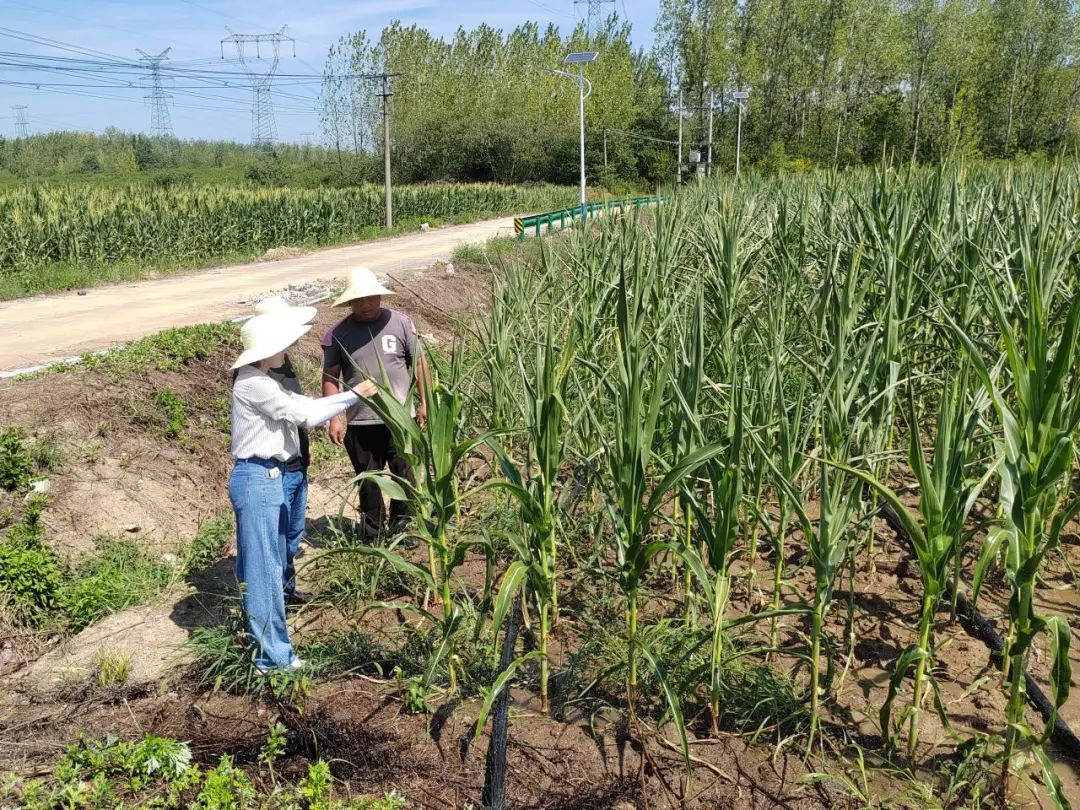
point(390, 340)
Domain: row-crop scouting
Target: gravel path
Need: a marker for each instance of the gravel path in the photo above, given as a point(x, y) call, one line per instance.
point(47, 329)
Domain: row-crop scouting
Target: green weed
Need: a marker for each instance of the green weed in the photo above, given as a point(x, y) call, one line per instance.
point(31, 575)
point(173, 412)
point(143, 761)
point(169, 350)
point(226, 787)
point(209, 544)
point(119, 575)
point(16, 463)
point(48, 454)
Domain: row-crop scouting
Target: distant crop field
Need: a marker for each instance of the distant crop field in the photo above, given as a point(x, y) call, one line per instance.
point(56, 237)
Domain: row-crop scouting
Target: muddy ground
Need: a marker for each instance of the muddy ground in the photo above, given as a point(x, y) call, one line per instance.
point(122, 477)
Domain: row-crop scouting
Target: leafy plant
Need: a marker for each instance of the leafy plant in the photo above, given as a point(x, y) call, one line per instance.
point(225, 787)
point(16, 462)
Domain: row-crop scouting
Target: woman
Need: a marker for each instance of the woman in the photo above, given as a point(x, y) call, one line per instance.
point(265, 421)
point(295, 478)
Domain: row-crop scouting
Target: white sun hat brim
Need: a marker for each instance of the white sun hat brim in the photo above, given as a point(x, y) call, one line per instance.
point(278, 306)
point(266, 335)
point(362, 284)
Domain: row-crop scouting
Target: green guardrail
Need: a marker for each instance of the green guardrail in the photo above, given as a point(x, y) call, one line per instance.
point(522, 225)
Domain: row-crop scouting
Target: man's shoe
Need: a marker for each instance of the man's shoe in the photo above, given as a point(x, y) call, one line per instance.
point(398, 525)
point(297, 598)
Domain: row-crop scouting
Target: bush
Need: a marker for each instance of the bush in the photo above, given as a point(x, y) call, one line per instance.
point(16, 463)
point(268, 172)
point(31, 576)
point(173, 179)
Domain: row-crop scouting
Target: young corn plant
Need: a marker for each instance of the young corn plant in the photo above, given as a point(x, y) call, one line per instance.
point(1039, 325)
point(637, 483)
point(534, 484)
point(718, 521)
point(436, 454)
point(947, 493)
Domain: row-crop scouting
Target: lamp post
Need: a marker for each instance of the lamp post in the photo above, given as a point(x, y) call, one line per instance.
point(740, 96)
point(579, 59)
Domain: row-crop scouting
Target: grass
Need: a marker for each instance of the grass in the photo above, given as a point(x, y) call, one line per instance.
point(169, 350)
point(113, 666)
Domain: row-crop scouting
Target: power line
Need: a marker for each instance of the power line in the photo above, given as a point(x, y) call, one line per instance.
point(641, 137)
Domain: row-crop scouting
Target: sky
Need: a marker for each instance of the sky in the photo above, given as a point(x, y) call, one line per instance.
point(193, 30)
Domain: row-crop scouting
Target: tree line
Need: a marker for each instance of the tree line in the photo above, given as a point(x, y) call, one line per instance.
point(830, 82)
point(840, 82)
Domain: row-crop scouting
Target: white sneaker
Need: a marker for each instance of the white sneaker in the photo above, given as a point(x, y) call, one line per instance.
point(294, 665)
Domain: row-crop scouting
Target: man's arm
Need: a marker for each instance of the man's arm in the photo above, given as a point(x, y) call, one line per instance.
point(331, 385)
point(423, 385)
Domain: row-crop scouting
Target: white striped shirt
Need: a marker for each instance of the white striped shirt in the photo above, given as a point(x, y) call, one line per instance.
point(265, 415)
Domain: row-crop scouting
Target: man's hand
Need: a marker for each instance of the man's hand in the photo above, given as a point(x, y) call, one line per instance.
point(336, 429)
point(421, 416)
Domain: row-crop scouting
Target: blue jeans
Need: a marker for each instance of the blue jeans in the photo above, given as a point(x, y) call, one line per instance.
point(296, 490)
point(258, 498)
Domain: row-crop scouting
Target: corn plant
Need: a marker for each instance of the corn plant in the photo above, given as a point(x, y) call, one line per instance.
point(534, 484)
point(632, 498)
point(436, 454)
point(718, 520)
point(1039, 417)
point(948, 491)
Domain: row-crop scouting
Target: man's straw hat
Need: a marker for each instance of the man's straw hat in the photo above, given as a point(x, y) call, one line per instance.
point(361, 284)
point(276, 305)
point(265, 335)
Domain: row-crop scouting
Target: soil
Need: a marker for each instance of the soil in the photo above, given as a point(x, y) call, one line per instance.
point(122, 477)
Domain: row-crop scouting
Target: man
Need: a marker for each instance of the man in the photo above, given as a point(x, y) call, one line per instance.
point(369, 342)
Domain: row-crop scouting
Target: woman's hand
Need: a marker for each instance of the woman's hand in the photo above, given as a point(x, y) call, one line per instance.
point(366, 389)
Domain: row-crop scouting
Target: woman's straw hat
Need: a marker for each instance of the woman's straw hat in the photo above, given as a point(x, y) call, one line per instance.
point(276, 305)
point(362, 283)
point(265, 335)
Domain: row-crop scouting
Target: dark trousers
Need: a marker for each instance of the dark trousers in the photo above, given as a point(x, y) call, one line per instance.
point(371, 447)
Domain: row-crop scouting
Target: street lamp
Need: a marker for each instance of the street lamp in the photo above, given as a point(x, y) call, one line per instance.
point(740, 96)
point(579, 59)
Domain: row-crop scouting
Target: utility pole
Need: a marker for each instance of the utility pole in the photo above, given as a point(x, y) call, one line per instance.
point(160, 122)
point(678, 166)
point(385, 94)
point(739, 97)
point(595, 12)
point(263, 129)
point(708, 160)
point(22, 122)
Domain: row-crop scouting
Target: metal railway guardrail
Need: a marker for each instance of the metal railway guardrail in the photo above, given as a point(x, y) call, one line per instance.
point(522, 225)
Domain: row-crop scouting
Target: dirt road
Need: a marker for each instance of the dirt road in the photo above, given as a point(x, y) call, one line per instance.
point(45, 329)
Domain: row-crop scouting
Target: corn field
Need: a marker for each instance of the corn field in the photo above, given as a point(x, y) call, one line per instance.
point(83, 225)
point(721, 429)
